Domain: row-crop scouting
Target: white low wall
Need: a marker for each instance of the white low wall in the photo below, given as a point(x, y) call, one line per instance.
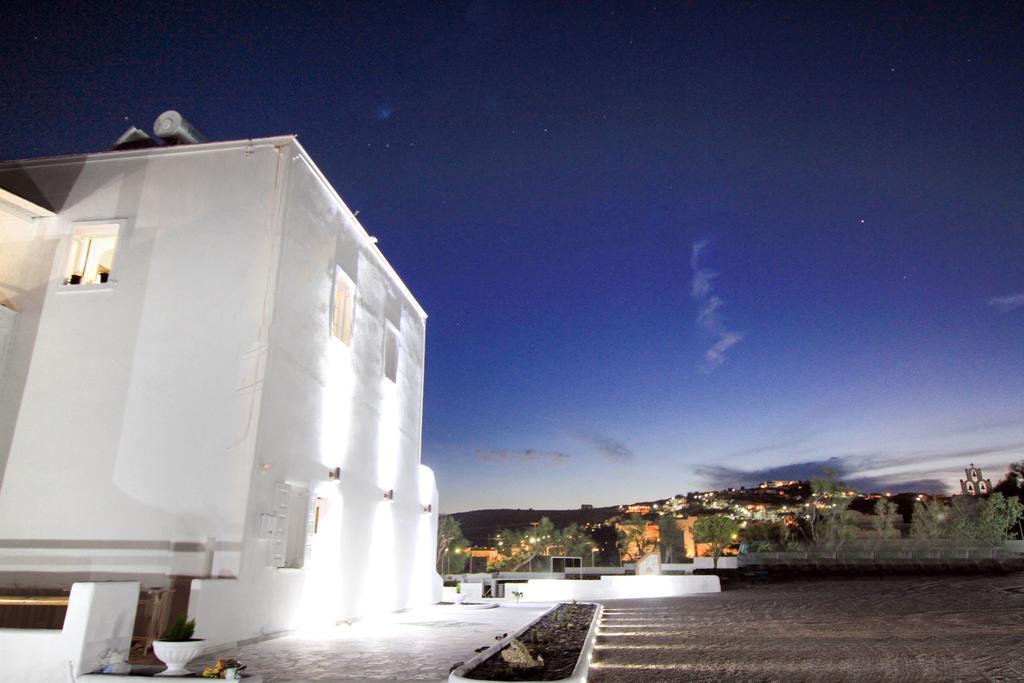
point(613, 587)
point(709, 563)
point(1014, 546)
point(33, 655)
point(100, 618)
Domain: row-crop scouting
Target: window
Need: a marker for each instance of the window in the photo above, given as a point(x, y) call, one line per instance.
point(390, 352)
point(344, 306)
point(92, 254)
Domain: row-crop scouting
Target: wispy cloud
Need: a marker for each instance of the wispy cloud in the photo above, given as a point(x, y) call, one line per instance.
point(520, 456)
point(1007, 303)
point(721, 477)
point(607, 446)
point(926, 471)
point(709, 304)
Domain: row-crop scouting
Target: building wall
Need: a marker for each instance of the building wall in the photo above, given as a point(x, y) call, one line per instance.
point(153, 421)
point(327, 405)
point(133, 422)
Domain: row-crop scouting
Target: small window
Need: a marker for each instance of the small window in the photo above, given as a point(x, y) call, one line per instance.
point(92, 255)
point(344, 305)
point(390, 352)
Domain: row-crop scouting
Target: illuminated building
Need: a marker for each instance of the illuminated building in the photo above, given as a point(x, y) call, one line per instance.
point(210, 377)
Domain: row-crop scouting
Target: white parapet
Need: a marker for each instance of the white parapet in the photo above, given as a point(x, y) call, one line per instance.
point(98, 626)
point(613, 587)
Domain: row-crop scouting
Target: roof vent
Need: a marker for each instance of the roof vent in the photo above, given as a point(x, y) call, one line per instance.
point(173, 128)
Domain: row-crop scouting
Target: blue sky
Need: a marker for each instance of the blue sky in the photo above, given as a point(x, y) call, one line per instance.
point(540, 174)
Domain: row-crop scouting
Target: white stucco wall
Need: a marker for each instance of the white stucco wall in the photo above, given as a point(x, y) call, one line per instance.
point(99, 622)
point(132, 425)
point(152, 419)
point(325, 405)
point(614, 587)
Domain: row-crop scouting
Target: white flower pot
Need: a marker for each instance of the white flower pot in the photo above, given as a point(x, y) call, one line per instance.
point(176, 654)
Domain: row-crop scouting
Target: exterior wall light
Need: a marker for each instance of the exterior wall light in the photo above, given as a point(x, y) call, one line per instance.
point(428, 508)
point(334, 474)
point(389, 494)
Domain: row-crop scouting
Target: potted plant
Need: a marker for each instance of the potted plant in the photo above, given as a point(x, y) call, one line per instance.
point(177, 647)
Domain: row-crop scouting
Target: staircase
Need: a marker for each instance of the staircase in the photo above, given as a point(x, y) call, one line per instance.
point(648, 644)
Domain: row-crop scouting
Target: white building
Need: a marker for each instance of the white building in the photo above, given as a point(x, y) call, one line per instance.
point(208, 370)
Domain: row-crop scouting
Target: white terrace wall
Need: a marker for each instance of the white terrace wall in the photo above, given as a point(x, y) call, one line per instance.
point(614, 587)
point(99, 622)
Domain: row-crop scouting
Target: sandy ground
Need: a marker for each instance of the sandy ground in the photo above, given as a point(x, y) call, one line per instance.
point(930, 628)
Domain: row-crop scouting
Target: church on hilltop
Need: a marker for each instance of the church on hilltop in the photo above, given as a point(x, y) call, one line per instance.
point(975, 484)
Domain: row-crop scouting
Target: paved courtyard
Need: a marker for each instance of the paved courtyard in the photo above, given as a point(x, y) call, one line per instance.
point(903, 629)
point(419, 645)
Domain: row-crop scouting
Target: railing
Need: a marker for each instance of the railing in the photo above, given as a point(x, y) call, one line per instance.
point(33, 611)
point(150, 619)
point(886, 555)
point(34, 600)
point(49, 611)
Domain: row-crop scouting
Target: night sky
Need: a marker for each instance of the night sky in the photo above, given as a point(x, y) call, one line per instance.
point(663, 248)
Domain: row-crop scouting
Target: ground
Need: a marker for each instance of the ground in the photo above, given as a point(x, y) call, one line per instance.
point(892, 629)
point(928, 628)
point(418, 645)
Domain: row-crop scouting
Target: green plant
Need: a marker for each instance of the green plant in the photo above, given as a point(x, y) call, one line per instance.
point(717, 531)
point(886, 517)
point(181, 629)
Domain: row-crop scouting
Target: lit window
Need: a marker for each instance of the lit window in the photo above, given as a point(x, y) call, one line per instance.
point(344, 305)
point(92, 255)
point(390, 352)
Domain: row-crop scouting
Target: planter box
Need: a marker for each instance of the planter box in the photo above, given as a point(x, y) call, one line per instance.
point(579, 672)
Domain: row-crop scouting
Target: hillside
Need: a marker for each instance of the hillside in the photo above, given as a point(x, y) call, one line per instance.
point(480, 526)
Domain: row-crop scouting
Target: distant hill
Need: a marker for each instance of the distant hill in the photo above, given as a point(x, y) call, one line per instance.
point(480, 526)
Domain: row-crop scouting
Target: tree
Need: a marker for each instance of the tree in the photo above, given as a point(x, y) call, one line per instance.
point(886, 516)
point(634, 542)
point(571, 541)
point(997, 518)
point(670, 537)
point(1012, 485)
point(961, 520)
point(517, 549)
point(451, 546)
point(717, 531)
point(826, 511)
point(929, 520)
point(988, 521)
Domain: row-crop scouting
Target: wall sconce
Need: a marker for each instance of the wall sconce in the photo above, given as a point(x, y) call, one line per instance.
point(334, 474)
point(428, 508)
point(389, 494)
